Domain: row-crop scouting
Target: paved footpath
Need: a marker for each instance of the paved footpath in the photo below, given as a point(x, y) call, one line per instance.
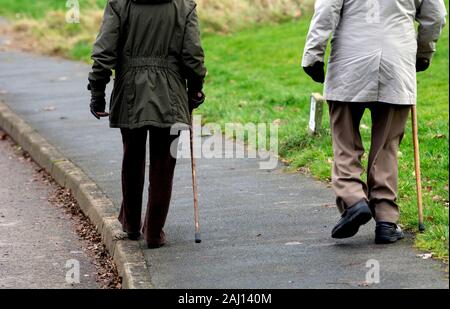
point(261, 229)
point(36, 239)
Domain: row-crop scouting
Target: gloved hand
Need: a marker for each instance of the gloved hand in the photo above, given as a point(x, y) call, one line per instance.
point(422, 64)
point(196, 99)
point(98, 106)
point(98, 102)
point(316, 71)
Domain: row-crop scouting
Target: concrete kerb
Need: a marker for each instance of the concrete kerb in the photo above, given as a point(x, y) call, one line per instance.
point(127, 255)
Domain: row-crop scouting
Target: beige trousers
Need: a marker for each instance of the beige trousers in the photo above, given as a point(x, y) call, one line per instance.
point(388, 127)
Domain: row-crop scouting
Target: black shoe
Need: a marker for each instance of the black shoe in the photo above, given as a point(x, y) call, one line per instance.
point(155, 246)
point(134, 236)
point(388, 233)
point(351, 220)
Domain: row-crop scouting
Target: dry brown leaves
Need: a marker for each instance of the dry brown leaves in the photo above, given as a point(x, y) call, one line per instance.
point(3, 135)
point(107, 274)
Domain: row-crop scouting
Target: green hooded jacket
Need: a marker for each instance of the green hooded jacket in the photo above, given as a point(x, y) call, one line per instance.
point(154, 47)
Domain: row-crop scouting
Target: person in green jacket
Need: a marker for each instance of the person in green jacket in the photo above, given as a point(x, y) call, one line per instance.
point(155, 50)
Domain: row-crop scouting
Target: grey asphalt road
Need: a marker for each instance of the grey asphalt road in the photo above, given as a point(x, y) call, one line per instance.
point(36, 239)
point(261, 229)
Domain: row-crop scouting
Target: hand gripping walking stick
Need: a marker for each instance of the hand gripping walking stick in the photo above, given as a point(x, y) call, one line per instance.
point(417, 167)
point(194, 185)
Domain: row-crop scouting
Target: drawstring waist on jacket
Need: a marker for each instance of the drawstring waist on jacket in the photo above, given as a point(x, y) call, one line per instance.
point(151, 62)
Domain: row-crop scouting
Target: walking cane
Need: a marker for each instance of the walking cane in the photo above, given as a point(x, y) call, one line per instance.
point(194, 185)
point(417, 166)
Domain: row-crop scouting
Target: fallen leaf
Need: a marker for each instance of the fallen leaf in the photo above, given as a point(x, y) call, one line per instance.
point(439, 136)
point(304, 170)
point(281, 203)
point(279, 108)
point(329, 206)
point(243, 103)
point(425, 256)
point(293, 243)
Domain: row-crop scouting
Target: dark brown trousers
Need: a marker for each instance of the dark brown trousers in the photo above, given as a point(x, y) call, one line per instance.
point(388, 127)
point(162, 167)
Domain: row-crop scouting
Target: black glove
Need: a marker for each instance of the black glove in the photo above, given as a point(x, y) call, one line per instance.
point(98, 106)
point(316, 71)
point(98, 102)
point(196, 99)
point(422, 64)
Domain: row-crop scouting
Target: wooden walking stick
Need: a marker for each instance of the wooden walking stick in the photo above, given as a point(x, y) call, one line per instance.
point(417, 166)
point(194, 185)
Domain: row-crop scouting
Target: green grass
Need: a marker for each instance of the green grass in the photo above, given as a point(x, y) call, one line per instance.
point(81, 51)
point(255, 76)
point(38, 8)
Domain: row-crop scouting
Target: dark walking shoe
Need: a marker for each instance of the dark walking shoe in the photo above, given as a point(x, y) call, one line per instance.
point(388, 233)
point(134, 236)
point(351, 220)
point(156, 242)
point(155, 246)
